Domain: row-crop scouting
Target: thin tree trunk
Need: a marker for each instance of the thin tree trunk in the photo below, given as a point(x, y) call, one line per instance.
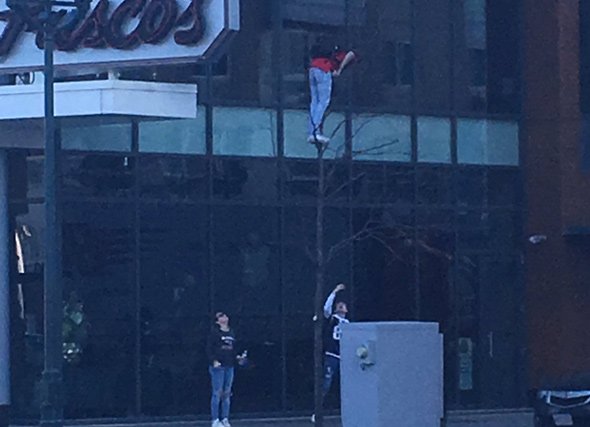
point(319, 294)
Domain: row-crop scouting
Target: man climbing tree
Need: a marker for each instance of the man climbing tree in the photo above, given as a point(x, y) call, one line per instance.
point(326, 61)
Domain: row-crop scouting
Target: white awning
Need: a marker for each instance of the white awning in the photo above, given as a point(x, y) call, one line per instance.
point(101, 97)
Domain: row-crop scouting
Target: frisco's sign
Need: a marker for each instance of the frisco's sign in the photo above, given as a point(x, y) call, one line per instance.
point(120, 33)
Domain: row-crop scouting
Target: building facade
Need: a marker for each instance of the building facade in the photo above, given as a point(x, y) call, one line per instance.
point(555, 123)
point(166, 221)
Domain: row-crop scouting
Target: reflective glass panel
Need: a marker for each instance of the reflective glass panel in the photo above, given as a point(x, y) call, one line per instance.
point(104, 137)
point(296, 125)
point(382, 137)
point(487, 142)
point(434, 140)
point(244, 132)
point(185, 136)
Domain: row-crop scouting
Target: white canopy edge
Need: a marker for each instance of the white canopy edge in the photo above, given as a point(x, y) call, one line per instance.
point(101, 97)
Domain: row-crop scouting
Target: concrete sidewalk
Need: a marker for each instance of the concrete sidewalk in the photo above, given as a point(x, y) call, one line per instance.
point(266, 422)
point(523, 417)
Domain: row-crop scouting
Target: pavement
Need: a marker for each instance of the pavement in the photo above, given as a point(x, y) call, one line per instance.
point(266, 422)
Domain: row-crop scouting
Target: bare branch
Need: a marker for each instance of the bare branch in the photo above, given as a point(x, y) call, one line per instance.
point(387, 246)
point(373, 150)
point(369, 229)
point(430, 249)
point(335, 131)
point(362, 126)
point(346, 184)
point(345, 242)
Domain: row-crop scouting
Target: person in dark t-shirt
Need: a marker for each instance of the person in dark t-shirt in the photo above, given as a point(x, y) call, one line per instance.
point(335, 317)
point(221, 351)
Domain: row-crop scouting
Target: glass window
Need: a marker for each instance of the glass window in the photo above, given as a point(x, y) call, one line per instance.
point(434, 140)
point(505, 230)
point(434, 186)
point(245, 179)
point(384, 269)
point(173, 177)
point(382, 137)
point(103, 137)
point(504, 187)
point(471, 56)
point(432, 37)
point(472, 230)
point(295, 89)
point(474, 12)
point(368, 183)
point(498, 377)
point(385, 45)
point(186, 136)
point(299, 286)
point(301, 179)
point(100, 302)
point(26, 307)
point(244, 132)
point(98, 175)
point(298, 277)
point(174, 308)
point(325, 12)
point(247, 286)
point(296, 125)
point(487, 142)
point(503, 47)
point(400, 184)
point(26, 173)
point(470, 185)
point(250, 65)
point(435, 247)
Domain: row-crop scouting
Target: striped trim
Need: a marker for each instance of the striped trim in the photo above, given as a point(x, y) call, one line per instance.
point(337, 356)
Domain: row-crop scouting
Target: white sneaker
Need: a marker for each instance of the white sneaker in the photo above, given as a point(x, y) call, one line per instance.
point(313, 418)
point(321, 138)
point(225, 423)
point(216, 423)
point(318, 138)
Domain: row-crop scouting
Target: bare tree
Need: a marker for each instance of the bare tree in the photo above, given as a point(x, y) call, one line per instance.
point(321, 255)
point(375, 228)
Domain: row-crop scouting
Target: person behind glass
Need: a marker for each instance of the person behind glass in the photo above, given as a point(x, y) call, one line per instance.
point(335, 315)
point(325, 63)
point(221, 350)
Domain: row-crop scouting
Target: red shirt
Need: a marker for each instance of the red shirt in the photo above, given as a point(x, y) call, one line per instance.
point(328, 65)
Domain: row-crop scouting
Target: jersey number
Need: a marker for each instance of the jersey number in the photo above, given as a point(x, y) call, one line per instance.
point(337, 332)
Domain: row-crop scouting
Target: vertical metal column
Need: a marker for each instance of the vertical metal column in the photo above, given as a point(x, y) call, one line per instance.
point(4, 292)
point(52, 398)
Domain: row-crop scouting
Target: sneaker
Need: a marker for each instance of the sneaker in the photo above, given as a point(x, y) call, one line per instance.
point(225, 423)
point(216, 423)
point(318, 139)
point(313, 418)
point(321, 138)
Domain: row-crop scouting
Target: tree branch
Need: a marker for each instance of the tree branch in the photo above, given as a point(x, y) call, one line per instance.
point(373, 150)
point(346, 184)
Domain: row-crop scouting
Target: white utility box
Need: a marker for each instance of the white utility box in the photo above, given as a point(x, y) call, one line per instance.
point(392, 374)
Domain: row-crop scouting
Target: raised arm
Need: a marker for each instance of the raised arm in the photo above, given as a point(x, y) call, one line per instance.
point(330, 300)
point(348, 58)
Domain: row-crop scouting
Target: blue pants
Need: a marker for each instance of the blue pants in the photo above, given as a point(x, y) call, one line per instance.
point(222, 379)
point(320, 86)
point(331, 369)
